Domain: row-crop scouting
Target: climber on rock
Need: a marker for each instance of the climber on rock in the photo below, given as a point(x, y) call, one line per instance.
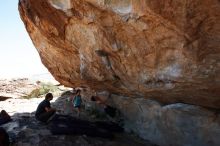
point(109, 110)
point(77, 101)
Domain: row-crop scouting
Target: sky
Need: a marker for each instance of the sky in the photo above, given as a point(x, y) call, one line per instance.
point(18, 56)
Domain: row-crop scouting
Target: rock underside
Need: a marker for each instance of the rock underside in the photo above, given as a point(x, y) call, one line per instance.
point(165, 50)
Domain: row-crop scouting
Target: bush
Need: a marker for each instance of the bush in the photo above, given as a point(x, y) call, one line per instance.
point(42, 90)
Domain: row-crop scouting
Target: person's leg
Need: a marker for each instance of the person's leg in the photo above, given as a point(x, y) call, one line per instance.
point(78, 111)
point(45, 116)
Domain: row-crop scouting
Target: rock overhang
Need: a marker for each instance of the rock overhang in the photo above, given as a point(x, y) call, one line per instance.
point(163, 50)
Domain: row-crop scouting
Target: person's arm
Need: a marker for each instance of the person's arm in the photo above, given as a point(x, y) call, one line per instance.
point(49, 109)
point(100, 101)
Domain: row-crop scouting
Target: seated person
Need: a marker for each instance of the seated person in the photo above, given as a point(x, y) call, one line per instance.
point(44, 112)
point(111, 111)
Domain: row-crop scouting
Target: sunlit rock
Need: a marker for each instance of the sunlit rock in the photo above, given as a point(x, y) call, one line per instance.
point(166, 50)
point(61, 4)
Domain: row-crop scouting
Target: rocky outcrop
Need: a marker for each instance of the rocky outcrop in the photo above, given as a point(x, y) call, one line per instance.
point(15, 88)
point(166, 50)
point(161, 49)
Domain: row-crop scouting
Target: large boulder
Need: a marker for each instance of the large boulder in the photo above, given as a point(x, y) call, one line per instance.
point(167, 50)
point(170, 125)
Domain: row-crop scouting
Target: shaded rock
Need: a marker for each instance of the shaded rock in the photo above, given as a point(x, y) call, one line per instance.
point(175, 124)
point(3, 98)
point(4, 138)
point(25, 130)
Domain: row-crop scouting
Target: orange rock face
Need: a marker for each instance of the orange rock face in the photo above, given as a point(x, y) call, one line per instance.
point(167, 50)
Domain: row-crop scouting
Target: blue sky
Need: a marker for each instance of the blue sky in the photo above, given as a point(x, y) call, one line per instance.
point(18, 57)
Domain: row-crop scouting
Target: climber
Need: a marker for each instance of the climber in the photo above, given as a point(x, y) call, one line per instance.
point(44, 112)
point(111, 111)
point(77, 101)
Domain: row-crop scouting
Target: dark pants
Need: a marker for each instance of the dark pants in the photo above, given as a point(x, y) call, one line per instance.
point(45, 116)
